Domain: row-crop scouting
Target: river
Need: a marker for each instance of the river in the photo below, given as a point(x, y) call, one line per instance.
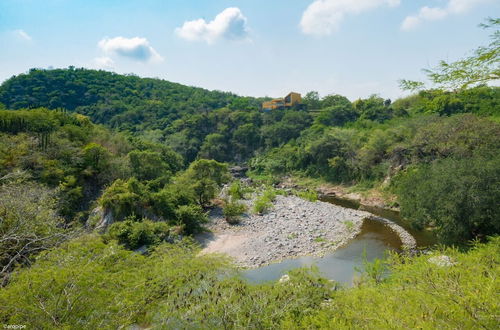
point(374, 241)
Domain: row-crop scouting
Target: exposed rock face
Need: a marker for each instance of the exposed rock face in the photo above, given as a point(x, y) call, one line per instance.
point(100, 219)
point(104, 219)
point(238, 171)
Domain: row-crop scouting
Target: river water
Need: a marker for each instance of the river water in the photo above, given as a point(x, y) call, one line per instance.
point(374, 241)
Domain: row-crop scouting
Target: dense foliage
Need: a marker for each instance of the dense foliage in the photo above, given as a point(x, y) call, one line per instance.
point(29, 224)
point(459, 197)
point(460, 202)
point(364, 142)
point(128, 102)
point(56, 167)
point(172, 288)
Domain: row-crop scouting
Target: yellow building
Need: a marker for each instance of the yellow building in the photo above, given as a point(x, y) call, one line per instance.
point(283, 103)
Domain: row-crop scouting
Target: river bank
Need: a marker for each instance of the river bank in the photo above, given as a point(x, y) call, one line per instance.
point(293, 227)
point(367, 198)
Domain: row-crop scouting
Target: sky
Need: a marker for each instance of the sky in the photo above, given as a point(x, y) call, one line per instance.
point(354, 48)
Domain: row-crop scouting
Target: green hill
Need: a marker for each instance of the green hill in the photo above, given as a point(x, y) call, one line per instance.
point(126, 102)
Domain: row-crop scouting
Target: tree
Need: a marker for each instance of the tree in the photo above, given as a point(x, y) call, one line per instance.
point(191, 217)
point(148, 165)
point(479, 68)
point(459, 197)
point(29, 225)
point(135, 234)
point(95, 157)
point(289, 127)
point(125, 198)
point(334, 100)
point(215, 147)
point(312, 100)
point(373, 108)
point(246, 139)
point(337, 115)
point(204, 177)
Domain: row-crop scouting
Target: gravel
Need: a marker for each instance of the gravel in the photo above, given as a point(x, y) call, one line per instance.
point(293, 227)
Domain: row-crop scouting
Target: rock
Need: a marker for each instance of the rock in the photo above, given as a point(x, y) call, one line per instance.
point(442, 261)
point(290, 230)
point(238, 171)
point(100, 219)
point(142, 250)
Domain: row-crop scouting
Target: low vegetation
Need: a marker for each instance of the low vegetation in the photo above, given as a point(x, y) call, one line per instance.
point(173, 288)
point(233, 210)
point(265, 201)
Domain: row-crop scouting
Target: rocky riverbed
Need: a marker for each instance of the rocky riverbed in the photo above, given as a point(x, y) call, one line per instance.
point(293, 227)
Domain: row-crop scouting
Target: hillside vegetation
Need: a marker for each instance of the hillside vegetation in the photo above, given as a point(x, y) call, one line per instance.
point(104, 179)
point(126, 102)
point(172, 288)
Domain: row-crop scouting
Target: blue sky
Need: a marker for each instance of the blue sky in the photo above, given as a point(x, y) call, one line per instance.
point(250, 47)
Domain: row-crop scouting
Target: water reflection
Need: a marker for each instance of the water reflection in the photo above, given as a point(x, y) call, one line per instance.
point(423, 238)
point(375, 240)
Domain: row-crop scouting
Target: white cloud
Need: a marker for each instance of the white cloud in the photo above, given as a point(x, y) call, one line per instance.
point(437, 13)
point(104, 62)
point(135, 48)
point(23, 35)
point(229, 24)
point(323, 17)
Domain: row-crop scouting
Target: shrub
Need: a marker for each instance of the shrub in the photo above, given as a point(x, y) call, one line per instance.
point(265, 201)
point(166, 201)
point(261, 206)
point(148, 165)
point(233, 210)
point(135, 234)
point(87, 282)
point(29, 224)
point(270, 194)
point(191, 217)
point(236, 191)
point(309, 195)
point(203, 179)
point(125, 198)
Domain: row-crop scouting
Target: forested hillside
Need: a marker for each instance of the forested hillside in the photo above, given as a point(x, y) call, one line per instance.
point(126, 102)
point(371, 143)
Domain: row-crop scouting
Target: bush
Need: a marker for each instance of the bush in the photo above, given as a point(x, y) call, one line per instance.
point(457, 197)
point(166, 201)
point(191, 217)
point(337, 115)
point(265, 201)
point(135, 234)
point(29, 224)
point(236, 190)
point(125, 198)
point(261, 206)
point(203, 179)
point(270, 194)
point(148, 165)
point(309, 195)
point(89, 284)
point(233, 210)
